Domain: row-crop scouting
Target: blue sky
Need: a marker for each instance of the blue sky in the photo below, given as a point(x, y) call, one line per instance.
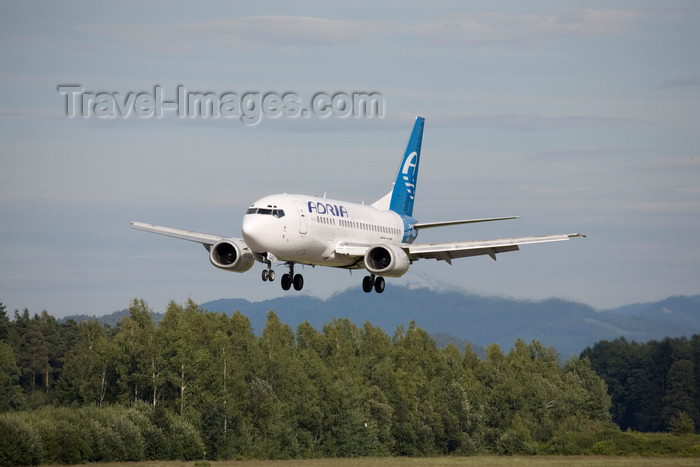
point(579, 117)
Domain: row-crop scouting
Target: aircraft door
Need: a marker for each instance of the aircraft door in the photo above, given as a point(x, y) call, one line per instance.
point(303, 221)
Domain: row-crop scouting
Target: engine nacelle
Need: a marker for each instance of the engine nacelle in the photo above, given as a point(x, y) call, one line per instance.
point(231, 256)
point(387, 260)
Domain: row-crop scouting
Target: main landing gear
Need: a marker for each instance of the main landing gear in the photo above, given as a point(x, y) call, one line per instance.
point(371, 281)
point(291, 279)
point(288, 280)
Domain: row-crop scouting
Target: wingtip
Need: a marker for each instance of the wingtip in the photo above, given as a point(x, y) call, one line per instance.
point(577, 235)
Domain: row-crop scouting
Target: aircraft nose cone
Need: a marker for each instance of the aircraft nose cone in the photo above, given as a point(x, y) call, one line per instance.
point(253, 229)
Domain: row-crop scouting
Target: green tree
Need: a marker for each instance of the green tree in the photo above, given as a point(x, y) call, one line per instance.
point(348, 428)
point(374, 349)
point(681, 394)
point(624, 368)
point(694, 353)
point(378, 375)
point(309, 404)
point(417, 362)
point(32, 351)
point(5, 324)
point(459, 416)
point(186, 337)
point(9, 378)
point(137, 347)
point(274, 394)
point(226, 384)
point(86, 373)
point(517, 439)
point(585, 394)
point(20, 443)
point(53, 337)
point(681, 424)
point(649, 383)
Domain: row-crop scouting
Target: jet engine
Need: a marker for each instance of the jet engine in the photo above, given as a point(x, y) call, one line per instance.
point(231, 256)
point(387, 260)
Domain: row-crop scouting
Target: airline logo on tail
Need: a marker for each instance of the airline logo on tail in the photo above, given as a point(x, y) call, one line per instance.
point(404, 192)
point(410, 183)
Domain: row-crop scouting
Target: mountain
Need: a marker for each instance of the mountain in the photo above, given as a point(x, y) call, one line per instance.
point(567, 326)
point(459, 317)
point(110, 320)
point(678, 309)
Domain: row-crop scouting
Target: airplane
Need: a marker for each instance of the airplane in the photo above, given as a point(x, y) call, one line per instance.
point(311, 230)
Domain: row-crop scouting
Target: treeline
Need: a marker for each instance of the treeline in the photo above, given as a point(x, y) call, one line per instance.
point(84, 392)
point(654, 386)
point(68, 435)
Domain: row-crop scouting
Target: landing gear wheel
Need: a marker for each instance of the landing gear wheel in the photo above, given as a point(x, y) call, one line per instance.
point(265, 275)
point(298, 282)
point(367, 284)
point(290, 279)
point(379, 284)
point(286, 281)
point(271, 275)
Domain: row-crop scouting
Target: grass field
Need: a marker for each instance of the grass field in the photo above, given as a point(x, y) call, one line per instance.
point(435, 461)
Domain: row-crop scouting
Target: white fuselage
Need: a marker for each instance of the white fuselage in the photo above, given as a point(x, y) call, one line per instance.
point(307, 229)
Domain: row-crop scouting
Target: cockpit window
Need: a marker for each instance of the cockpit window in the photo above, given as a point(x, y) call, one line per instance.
point(266, 211)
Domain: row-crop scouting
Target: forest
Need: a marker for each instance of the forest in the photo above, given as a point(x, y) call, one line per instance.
point(204, 385)
point(653, 385)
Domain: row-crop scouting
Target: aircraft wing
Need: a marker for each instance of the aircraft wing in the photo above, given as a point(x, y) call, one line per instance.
point(205, 239)
point(450, 250)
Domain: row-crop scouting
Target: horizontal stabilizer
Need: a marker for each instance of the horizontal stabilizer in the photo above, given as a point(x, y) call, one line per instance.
point(428, 225)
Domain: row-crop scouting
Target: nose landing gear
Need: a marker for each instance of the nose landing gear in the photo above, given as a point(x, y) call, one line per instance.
point(371, 281)
point(268, 274)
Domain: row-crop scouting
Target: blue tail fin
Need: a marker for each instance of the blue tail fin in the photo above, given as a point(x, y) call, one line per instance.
point(404, 191)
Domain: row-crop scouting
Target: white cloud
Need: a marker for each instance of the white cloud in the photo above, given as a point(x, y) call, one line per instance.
point(454, 30)
point(596, 152)
point(253, 31)
point(532, 122)
point(519, 29)
point(677, 164)
point(690, 81)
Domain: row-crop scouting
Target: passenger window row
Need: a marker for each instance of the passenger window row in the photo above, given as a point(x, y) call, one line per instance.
point(359, 225)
